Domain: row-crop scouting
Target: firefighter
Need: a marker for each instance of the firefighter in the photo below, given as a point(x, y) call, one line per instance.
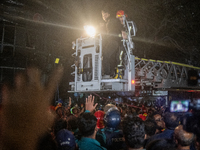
point(121, 16)
point(119, 70)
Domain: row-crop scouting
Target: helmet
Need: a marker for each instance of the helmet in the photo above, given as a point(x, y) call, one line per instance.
point(143, 116)
point(112, 118)
point(100, 115)
point(108, 107)
point(120, 13)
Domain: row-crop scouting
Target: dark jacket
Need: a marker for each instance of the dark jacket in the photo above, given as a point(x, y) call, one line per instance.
point(113, 29)
point(167, 134)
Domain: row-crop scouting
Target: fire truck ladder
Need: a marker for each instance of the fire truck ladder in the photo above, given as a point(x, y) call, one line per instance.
point(162, 74)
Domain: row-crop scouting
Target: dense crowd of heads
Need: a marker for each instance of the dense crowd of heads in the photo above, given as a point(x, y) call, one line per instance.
point(130, 128)
point(134, 132)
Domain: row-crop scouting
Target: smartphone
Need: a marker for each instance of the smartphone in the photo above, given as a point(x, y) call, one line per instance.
point(179, 105)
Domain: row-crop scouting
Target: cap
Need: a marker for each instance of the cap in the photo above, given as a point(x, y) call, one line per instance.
point(65, 139)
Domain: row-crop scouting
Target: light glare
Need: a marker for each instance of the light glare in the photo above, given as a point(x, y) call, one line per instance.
point(133, 81)
point(90, 30)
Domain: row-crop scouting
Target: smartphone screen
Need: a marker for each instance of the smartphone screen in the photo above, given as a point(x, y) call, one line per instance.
point(179, 105)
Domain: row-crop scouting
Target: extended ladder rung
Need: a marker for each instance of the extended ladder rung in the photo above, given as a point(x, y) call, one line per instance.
point(73, 73)
point(114, 80)
point(73, 65)
point(74, 54)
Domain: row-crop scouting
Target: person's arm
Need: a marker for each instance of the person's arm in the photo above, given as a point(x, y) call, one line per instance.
point(25, 115)
point(69, 105)
point(82, 110)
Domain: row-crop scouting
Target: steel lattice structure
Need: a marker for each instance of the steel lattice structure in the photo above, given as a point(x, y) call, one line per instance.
point(162, 74)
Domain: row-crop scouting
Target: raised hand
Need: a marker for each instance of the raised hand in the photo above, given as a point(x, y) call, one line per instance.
point(25, 115)
point(70, 101)
point(89, 104)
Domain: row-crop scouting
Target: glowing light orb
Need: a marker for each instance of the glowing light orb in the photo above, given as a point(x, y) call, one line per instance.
point(90, 30)
point(133, 81)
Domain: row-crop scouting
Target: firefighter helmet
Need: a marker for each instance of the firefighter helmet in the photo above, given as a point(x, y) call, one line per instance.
point(120, 13)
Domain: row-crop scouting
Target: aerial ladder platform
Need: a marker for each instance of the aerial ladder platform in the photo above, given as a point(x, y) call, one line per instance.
point(138, 73)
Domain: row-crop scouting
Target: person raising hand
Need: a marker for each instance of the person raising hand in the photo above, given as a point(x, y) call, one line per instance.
point(25, 115)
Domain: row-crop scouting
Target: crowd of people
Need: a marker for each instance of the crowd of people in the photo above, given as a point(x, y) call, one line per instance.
point(115, 127)
point(27, 122)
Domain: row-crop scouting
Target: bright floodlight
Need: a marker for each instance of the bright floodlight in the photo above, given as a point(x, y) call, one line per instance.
point(90, 30)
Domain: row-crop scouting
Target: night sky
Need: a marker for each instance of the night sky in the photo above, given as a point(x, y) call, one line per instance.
point(166, 29)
